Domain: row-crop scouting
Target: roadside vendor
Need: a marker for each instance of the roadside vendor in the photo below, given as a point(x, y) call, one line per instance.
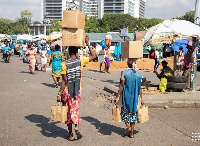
point(166, 71)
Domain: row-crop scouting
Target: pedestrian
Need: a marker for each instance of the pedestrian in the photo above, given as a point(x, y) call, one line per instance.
point(24, 49)
point(130, 91)
point(56, 60)
point(180, 60)
point(187, 63)
point(166, 71)
point(107, 59)
point(32, 59)
point(157, 62)
point(101, 56)
point(71, 86)
point(5, 49)
point(168, 51)
point(43, 58)
point(12, 48)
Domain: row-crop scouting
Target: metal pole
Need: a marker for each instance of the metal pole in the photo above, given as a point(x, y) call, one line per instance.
point(195, 45)
point(174, 40)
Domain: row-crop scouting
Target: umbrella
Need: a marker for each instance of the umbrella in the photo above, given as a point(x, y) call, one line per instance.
point(164, 32)
point(59, 42)
point(54, 36)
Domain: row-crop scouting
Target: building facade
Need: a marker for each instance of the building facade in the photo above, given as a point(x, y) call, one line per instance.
point(52, 9)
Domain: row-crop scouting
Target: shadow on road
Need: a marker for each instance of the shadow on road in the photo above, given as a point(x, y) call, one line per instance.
point(104, 128)
point(48, 85)
point(47, 129)
point(112, 82)
point(25, 72)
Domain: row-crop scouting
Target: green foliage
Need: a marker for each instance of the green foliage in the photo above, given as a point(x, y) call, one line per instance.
point(55, 25)
point(19, 26)
point(189, 16)
point(115, 22)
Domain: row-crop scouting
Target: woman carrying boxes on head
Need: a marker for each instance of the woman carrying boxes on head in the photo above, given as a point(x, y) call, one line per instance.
point(73, 35)
point(70, 89)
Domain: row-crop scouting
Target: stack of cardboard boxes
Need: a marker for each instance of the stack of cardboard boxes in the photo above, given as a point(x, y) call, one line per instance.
point(73, 24)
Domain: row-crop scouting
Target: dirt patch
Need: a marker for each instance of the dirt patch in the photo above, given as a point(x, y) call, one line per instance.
point(143, 64)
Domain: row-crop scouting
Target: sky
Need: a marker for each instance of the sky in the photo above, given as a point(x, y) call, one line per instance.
point(164, 9)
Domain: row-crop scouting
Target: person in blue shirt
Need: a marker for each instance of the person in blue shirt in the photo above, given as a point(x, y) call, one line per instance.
point(12, 47)
point(5, 49)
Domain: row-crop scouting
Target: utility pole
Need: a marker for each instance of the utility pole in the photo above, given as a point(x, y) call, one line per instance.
point(195, 47)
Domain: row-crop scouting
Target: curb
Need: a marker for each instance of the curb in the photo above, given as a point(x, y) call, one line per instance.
point(161, 103)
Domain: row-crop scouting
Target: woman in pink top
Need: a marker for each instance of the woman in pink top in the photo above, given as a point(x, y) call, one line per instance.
point(31, 56)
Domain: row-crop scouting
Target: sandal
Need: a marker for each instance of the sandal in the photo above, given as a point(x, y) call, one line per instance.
point(78, 134)
point(127, 132)
point(71, 138)
point(131, 136)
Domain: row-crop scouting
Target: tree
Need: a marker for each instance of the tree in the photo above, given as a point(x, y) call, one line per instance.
point(189, 16)
point(26, 17)
point(55, 25)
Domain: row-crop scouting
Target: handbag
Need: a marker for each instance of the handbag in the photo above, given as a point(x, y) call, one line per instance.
point(142, 114)
point(116, 117)
point(59, 113)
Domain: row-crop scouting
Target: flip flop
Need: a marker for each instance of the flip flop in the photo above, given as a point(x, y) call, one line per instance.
point(78, 134)
point(71, 138)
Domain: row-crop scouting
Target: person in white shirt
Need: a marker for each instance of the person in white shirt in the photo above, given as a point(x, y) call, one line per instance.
point(157, 63)
point(24, 49)
point(101, 57)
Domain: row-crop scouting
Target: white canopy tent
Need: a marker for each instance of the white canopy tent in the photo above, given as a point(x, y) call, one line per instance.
point(167, 29)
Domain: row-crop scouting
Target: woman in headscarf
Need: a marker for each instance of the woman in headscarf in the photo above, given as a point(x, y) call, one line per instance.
point(71, 86)
point(129, 90)
point(56, 60)
point(32, 57)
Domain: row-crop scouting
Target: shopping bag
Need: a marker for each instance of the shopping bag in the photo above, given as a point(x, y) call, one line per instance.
point(142, 114)
point(163, 84)
point(59, 113)
point(116, 117)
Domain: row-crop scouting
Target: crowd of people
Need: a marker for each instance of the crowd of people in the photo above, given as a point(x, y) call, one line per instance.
point(69, 69)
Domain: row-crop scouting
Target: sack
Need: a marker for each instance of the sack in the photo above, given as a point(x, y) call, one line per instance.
point(59, 113)
point(142, 114)
point(163, 84)
point(116, 117)
point(153, 55)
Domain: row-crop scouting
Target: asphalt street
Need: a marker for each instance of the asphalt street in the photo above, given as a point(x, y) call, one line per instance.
point(25, 102)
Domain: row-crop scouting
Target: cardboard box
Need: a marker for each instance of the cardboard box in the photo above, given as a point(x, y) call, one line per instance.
point(73, 37)
point(132, 49)
point(73, 19)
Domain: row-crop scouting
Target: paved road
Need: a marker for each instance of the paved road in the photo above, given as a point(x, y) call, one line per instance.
point(25, 102)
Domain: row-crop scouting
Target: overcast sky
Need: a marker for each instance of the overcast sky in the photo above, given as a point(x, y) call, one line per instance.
point(163, 9)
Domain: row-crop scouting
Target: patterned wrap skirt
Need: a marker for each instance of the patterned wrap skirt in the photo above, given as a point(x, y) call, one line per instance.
point(73, 103)
point(128, 116)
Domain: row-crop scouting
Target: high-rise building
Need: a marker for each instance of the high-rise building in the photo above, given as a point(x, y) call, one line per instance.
point(139, 8)
point(52, 9)
point(135, 8)
point(89, 7)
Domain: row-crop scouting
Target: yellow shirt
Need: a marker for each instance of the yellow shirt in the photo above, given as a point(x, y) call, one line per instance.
point(84, 61)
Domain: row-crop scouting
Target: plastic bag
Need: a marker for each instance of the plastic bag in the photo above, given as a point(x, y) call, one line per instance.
point(163, 84)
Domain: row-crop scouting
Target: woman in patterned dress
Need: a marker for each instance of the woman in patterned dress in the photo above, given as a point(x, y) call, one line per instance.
point(56, 60)
point(71, 86)
point(130, 84)
point(32, 57)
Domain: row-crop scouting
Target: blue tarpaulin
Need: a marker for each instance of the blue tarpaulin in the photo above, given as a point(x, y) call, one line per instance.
point(179, 43)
